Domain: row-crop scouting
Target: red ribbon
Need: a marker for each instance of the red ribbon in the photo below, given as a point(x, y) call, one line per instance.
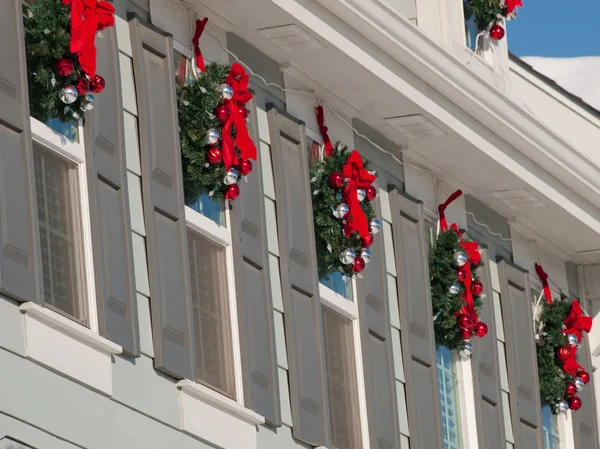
point(576, 322)
point(512, 4)
point(358, 178)
point(87, 17)
point(323, 129)
point(200, 24)
point(473, 257)
point(442, 210)
point(544, 279)
point(238, 79)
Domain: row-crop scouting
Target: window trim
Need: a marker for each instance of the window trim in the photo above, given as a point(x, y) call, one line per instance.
point(75, 153)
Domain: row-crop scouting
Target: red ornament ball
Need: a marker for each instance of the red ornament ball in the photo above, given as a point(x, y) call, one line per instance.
point(82, 85)
point(64, 67)
point(563, 353)
point(575, 403)
point(222, 113)
point(97, 84)
point(497, 32)
point(584, 376)
point(213, 155)
point(367, 241)
point(465, 321)
point(462, 274)
point(243, 112)
point(336, 180)
point(245, 168)
point(466, 333)
point(477, 288)
point(359, 264)
point(571, 389)
point(371, 193)
point(481, 329)
point(232, 192)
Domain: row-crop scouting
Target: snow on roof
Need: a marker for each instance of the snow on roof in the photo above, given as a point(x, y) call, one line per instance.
point(579, 76)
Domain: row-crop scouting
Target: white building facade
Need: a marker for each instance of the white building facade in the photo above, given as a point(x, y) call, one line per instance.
point(129, 319)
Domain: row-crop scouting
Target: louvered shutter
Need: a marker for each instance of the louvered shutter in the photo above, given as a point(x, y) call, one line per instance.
point(253, 288)
point(299, 280)
point(486, 372)
point(377, 353)
point(418, 342)
point(584, 420)
point(109, 205)
point(525, 405)
point(164, 209)
point(20, 260)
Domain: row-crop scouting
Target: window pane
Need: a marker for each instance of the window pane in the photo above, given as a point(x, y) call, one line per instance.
point(60, 233)
point(550, 429)
point(471, 32)
point(212, 325)
point(209, 208)
point(336, 283)
point(341, 380)
point(69, 130)
point(448, 399)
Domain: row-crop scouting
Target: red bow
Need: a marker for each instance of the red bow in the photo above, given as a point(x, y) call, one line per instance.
point(442, 210)
point(323, 130)
point(87, 17)
point(200, 24)
point(577, 323)
point(473, 257)
point(512, 4)
point(238, 80)
point(544, 279)
point(570, 365)
point(359, 178)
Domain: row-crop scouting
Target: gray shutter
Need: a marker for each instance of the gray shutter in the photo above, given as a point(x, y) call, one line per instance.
point(19, 246)
point(377, 354)
point(109, 205)
point(164, 209)
point(255, 303)
point(585, 421)
point(525, 405)
point(486, 372)
point(299, 280)
point(418, 342)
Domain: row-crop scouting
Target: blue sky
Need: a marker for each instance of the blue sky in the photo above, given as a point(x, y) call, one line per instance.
point(556, 28)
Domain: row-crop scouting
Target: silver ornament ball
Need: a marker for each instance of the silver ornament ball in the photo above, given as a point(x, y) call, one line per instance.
point(579, 383)
point(226, 90)
point(467, 350)
point(375, 226)
point(459, 258)
point(562, 407)
point(90, 102)
point(361, 194)
point(341, 210)
point(212, 136)
point(572, 339)
point(347, 256)
point(454, 289)
point(366, 255)
point(231, 176)
point(68, 94)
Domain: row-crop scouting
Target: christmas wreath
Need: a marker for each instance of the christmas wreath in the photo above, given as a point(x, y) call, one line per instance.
point(488, 14)
point(61, 55)
point(215, 145)
point(559, 333)
point(344, 218)
point(456, 290)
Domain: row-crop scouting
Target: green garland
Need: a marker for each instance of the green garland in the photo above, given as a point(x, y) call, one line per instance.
point(553, 380)
point(446, 306)
point(489, 12)
point(47, 26)
point(331, 240)
point(197, 100)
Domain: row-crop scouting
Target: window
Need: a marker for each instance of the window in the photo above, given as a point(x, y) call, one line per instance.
point(342, 364)
point(448, 399)
point(212, 318)
point(471, 32)
point(550, 429)
point(60, 227)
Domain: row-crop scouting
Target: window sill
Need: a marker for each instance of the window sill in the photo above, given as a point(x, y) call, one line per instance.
point(68, 348)
point(206, 413)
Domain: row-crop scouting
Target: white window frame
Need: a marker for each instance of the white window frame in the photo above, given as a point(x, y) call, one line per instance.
point(74, 152)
